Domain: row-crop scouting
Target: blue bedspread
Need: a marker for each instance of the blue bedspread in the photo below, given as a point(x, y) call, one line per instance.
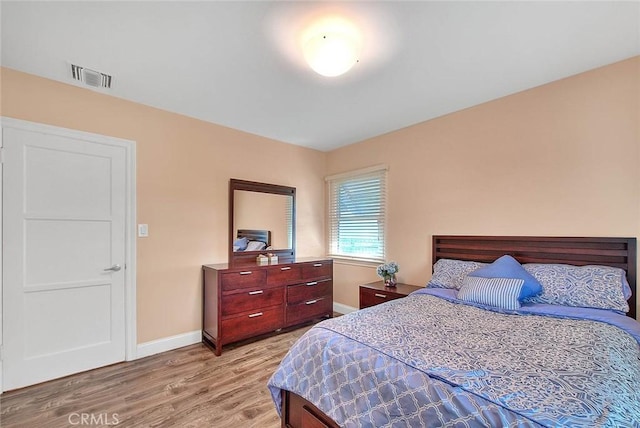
point(424, 361)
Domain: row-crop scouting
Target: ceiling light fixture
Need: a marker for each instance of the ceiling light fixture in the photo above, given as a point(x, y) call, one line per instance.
point(331, 54)
point(332, 47)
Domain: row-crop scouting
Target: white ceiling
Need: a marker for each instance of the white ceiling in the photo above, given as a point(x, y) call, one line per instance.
point(238, 64)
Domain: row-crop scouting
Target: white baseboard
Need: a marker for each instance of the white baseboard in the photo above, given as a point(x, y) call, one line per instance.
point(168, 343)
point(343, 309)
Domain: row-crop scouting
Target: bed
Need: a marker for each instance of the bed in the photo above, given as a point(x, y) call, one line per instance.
point(431, 360)
point(252, 240)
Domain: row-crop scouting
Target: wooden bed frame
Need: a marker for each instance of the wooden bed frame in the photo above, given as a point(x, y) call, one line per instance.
point(619, 252)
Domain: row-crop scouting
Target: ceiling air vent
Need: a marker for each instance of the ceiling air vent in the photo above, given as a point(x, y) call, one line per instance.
point(90, 77)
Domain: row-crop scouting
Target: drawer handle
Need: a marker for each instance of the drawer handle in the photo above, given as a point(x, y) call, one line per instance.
point(384, 296)
point(252, 293)
point(246, 272)
point(285, 268)
point(317, 265)
point(311, 302)
point(312, 283)
point(257, 314)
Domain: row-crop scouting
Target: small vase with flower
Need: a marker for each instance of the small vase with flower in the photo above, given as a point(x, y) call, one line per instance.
point(388, 272)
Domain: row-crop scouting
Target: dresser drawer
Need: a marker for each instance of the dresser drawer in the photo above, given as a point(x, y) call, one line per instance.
point(250, 324)
point(309, 309)
point(286, 274)
point(309, 290)
point(248, 300)
point(244, 279)
point(318, 270)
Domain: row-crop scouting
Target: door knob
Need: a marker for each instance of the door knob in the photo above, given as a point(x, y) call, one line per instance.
point(114, 268)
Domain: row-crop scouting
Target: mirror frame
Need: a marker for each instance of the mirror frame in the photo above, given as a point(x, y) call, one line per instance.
point(249, 257)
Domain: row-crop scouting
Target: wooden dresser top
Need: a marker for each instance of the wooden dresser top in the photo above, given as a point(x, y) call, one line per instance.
point(228, 266)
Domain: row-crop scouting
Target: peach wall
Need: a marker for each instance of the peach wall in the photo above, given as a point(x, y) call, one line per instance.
point(559, 159)
point(183, 171)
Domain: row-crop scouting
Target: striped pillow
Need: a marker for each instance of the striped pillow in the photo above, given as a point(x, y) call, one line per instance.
point(499, 292)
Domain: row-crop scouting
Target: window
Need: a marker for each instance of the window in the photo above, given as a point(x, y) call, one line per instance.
point(357, 203)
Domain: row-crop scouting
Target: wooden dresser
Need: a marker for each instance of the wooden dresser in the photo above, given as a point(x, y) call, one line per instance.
point(240, 302)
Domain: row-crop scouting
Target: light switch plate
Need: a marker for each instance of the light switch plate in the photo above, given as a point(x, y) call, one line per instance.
point(143, 230)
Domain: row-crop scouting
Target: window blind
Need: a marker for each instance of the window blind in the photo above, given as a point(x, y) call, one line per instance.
point(357, 215)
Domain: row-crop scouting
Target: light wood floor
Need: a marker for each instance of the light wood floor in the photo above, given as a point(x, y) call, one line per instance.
point(187, 387)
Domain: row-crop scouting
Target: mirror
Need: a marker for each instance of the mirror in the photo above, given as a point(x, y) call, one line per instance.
point(263, 211)
point(261, 220)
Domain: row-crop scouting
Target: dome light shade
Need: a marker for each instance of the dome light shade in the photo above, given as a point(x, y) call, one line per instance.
point(331, 53)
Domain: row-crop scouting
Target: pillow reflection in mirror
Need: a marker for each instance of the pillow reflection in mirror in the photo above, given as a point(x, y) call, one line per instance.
point(240, 244)
point(255, 246)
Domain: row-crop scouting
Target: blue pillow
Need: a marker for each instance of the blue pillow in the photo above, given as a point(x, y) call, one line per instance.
point(592, 286)
point(241, 243)
point(508, 267)
point(498, 292)
point(449, 273)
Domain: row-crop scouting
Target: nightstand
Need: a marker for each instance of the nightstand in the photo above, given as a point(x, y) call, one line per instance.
point(375, 293)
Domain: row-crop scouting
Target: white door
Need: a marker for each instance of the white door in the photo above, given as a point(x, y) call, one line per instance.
point(64, 211)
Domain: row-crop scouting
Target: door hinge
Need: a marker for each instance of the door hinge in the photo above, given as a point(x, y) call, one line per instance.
point(1, 154)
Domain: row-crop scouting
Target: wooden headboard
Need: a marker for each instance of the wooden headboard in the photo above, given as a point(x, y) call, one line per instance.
point(617, 252)
point(256, 235)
